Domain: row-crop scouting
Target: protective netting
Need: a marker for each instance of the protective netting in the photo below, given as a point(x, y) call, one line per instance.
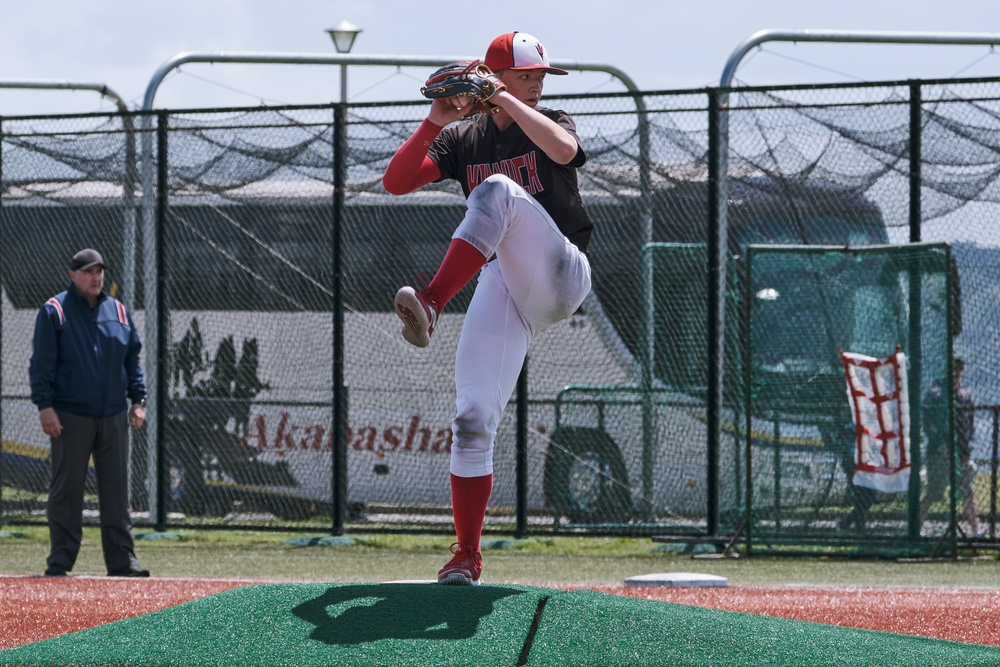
point(245, 200)
point(816, 471)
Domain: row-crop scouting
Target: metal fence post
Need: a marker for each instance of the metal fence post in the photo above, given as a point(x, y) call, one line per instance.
point(747, 314)
point(339, 453)
point(915, 334)
point(916, 155)
point(2, 245)
point(950, 378)
point(162, 345)
point(718, 253)
point(521, 443)
point(994, 464)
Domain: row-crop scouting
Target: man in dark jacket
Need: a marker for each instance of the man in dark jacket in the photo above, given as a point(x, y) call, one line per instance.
point(939, 451)
point(84, 370)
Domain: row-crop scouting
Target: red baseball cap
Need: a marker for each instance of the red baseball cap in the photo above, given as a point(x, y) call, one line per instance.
point(519, 50)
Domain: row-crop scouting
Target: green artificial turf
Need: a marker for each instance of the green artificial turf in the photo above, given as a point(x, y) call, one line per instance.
point(310, 624)
point(425, 625)
point(584, 628)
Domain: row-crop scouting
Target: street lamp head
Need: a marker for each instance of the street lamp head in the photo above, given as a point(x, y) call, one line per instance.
point(343, 35)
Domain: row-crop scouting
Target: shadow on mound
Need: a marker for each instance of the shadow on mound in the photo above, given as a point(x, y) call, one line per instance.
point(363, 613)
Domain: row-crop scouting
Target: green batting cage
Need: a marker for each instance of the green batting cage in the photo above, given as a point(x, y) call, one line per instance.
point(846, 384)
point(837, 399)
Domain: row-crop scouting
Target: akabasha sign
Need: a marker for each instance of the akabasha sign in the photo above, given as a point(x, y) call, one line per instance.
point(282, 434)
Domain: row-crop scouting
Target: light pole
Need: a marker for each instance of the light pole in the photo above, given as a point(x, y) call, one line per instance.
point(343, 35)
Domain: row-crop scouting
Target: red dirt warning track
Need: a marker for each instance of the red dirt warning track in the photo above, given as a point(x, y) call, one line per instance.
point(34, 608)
point(969, 615)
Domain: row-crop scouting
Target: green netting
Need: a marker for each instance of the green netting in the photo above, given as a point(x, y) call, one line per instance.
point(802, 305)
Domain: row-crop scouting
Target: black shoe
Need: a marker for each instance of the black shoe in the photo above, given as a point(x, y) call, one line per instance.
point(129, 572)
point(55, 571)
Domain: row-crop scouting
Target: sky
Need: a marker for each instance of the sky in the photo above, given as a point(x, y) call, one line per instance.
point(660, 44)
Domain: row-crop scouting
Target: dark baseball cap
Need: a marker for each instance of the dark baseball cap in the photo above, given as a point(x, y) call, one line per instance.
point(85, 259)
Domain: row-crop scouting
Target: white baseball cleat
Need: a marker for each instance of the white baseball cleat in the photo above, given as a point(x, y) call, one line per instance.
point(419, 316)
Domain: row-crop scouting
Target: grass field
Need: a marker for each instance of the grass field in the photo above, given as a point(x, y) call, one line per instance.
point(270, 555)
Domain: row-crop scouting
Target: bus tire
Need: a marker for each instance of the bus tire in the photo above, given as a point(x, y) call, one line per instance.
point(585, 477)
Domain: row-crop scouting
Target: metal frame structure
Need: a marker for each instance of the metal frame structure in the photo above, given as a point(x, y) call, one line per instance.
point(131, 177)
point(48, 84)
point(719, 196)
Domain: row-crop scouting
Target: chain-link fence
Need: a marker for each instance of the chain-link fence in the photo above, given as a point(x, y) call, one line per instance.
point(282, 393)
point(813, 446)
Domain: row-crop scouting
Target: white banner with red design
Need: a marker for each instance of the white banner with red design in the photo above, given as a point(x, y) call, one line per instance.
point(877, 392)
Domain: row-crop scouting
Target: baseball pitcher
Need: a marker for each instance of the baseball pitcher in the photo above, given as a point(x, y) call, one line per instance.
point(525, 232)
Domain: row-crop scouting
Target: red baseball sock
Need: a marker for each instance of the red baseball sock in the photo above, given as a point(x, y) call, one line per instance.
point(459, 265)
point(469, 498)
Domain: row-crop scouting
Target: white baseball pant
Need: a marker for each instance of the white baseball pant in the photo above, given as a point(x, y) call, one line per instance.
point(537, 279)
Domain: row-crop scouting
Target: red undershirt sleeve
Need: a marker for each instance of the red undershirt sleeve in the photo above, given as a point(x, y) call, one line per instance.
point(411, 168)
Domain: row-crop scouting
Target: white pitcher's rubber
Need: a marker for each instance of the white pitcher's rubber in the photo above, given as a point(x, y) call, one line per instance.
point(676, 579)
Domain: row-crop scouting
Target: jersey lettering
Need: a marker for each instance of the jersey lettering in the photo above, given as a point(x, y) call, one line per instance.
point(522, 169)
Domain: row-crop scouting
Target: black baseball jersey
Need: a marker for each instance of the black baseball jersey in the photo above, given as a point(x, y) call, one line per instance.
point(474, 149)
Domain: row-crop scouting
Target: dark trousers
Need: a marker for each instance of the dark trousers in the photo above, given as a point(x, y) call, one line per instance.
point(106, 439)
point(861, 498)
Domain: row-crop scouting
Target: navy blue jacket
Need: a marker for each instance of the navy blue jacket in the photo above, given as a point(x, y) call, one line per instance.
point(85, 361)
